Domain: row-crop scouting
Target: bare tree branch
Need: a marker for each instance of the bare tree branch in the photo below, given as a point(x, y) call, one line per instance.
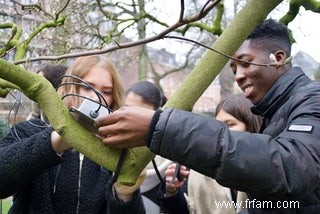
point(209, 5)
point(275, 64)
point(181, 10)
point(62, 9)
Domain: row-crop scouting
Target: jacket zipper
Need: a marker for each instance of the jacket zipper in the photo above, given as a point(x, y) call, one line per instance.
point(79, 180)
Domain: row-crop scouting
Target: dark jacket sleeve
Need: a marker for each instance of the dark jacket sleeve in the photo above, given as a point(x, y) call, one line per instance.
point(176, 203)
point(25, 153)
point(285, 166)
point(117, 206)
point(178, 133)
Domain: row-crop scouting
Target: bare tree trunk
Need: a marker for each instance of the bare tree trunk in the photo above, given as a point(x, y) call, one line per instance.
point(143, 54)
point(226, 79)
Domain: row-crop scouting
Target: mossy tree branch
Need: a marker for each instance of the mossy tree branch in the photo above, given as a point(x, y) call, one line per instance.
point(294, 7)
point(23, 47)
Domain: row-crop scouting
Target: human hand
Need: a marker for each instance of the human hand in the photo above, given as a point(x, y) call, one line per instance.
point(125, 192)
point(125, 128)
point(57, 143)
point(172, 182)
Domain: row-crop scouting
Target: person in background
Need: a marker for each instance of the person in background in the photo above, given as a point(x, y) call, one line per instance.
point(53, 74)
point(148, 95)
point(45, 175)
point(279, 165)
point(204, 194)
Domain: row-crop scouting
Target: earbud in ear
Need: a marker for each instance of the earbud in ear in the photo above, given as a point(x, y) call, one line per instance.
point(273, 58)
point(274, 61)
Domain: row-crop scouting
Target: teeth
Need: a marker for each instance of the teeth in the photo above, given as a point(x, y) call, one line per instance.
point(247, 88)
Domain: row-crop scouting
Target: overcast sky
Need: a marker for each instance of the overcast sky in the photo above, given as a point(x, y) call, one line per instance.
point(306, 31)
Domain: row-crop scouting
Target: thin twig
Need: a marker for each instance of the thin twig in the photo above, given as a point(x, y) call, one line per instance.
point(226, 55)
point(181, 10)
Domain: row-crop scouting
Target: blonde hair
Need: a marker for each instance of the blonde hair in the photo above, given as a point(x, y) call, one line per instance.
point(80, 68)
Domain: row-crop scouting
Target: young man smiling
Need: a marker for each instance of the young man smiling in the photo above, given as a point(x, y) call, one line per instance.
point(280, 165)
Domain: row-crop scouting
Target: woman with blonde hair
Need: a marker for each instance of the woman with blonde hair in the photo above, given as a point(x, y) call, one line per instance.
point(81, 68)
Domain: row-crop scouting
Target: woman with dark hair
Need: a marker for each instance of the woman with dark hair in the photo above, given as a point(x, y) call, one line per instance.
point(144, 94)
point(53, 74)
point(238, 106)
point(148, 95)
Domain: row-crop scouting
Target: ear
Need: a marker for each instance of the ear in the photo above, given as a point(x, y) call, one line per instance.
point(280, 56)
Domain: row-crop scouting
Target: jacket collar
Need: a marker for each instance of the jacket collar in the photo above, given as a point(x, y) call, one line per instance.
point(280, 92)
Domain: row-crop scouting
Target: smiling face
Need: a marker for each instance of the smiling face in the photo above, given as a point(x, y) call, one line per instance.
point(101, 80)
point(255, 81)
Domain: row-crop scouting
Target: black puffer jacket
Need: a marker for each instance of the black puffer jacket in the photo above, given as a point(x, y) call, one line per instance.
point(42, 182)
point(279, 169)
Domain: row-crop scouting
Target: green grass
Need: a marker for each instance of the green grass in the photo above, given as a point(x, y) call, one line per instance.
point(6, 204)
